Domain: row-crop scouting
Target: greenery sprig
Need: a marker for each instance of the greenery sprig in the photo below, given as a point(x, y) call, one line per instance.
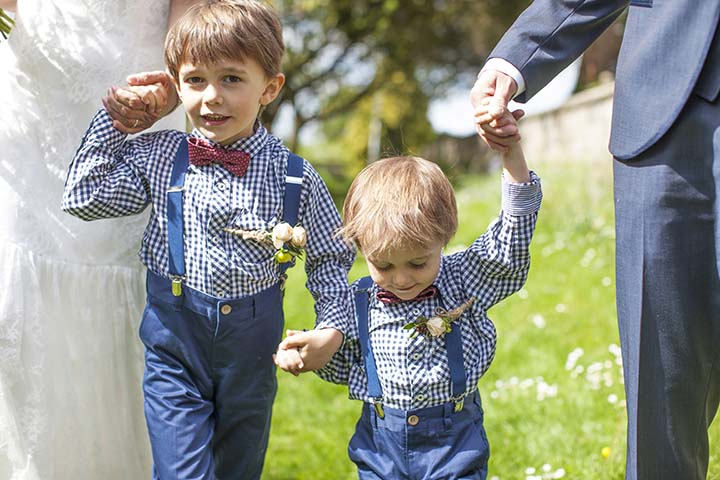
point(289, 241)
point(440, 323)
point(6, 23)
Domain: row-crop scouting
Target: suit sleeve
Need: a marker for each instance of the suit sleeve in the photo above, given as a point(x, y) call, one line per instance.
point(551, 34)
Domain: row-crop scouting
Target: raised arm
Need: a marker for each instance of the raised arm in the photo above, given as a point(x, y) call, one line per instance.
point(133, 113)
point(545, 38)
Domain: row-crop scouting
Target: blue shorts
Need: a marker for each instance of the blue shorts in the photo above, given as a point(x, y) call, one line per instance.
point(430, 443)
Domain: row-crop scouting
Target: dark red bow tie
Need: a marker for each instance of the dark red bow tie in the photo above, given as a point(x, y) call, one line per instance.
point(390, 298)
point(203, 153)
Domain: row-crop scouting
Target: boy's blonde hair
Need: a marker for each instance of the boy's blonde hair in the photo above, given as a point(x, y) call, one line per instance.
point(218, 30)
point(398, 203)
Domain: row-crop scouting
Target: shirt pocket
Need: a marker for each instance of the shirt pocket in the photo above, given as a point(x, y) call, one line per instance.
point(250, 251)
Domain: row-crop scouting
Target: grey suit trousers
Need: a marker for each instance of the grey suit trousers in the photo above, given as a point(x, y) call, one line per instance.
point(667, 207)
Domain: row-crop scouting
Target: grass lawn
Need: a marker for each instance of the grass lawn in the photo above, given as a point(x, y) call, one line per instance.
point(553, 398)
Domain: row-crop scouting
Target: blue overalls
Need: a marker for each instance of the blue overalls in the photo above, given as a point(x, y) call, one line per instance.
point(209, 380)
point(445, 442)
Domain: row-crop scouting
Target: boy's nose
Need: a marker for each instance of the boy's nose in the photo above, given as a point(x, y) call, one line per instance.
point(402, 279)
point(212, 95)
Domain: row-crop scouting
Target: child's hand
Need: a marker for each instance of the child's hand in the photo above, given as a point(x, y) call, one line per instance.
point(289, 360)
point(316, 347)
point(498, 120)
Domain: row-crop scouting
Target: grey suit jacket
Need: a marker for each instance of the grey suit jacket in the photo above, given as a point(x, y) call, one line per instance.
point(662, 59)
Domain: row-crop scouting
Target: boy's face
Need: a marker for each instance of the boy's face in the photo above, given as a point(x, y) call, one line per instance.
point(406, 272)
point(223, 99)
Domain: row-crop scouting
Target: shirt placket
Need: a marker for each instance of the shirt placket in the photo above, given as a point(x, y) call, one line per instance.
point(417, 355)
point(219, 212)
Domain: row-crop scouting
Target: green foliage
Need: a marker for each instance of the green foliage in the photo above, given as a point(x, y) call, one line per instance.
point(346, 50)
point(6, 23)
point(553, 397)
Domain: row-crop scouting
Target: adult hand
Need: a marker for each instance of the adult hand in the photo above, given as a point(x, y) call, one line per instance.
point(490, 96)
point(127, 110)
point(153, 98)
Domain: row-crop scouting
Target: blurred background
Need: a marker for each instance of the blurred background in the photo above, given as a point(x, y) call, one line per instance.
point(377, 78)
point(371, 79)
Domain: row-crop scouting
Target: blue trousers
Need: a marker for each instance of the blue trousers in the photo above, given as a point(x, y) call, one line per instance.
point(432, 443)
point(209, 381)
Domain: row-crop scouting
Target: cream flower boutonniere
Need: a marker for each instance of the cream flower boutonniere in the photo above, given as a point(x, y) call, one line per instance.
point(439, 324)
point(288, 240)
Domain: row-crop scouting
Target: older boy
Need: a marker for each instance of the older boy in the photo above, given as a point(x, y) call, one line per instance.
point(421, 337)
point(214, 310)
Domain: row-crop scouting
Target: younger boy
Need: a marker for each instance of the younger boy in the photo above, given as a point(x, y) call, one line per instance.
point(421, 337)
point(214, 308)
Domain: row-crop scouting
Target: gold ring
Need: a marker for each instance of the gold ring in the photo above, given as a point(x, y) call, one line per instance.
point(136, 123)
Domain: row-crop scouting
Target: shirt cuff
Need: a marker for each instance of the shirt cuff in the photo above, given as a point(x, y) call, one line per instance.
point(101, 131)
point(335, 316)
point(522, 198)
point(503, 66)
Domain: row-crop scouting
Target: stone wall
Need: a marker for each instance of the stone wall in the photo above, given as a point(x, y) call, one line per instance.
point(580, 129)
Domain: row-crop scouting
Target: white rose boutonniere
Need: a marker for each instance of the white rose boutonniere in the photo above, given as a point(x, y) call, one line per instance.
point(288, 240)
point(439, 324)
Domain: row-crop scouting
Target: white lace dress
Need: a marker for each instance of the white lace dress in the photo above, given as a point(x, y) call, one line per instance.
point(71, 293)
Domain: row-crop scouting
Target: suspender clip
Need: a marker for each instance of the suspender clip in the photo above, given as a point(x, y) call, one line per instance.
point(176, 284)
point(175, 188)
point(377, 403)
point(459, 402)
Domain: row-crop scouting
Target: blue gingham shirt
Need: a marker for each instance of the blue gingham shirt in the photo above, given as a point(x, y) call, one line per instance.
point(414, 373)
point(113, 176)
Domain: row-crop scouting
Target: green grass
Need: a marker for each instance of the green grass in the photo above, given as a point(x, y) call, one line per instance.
point(542, 410)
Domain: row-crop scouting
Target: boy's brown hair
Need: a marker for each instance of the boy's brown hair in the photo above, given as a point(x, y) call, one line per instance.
point(398, 203)
point(218, 30)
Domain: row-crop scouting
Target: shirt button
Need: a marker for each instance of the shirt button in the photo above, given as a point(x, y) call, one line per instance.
point(413, 420)
point(416, 356)
point(225, 309)
point(221, 186)
point(215, 239)
point(420, 397)
point(221, 293)
point(416, 311)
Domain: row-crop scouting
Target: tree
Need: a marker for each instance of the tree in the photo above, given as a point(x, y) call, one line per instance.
point(341, 52)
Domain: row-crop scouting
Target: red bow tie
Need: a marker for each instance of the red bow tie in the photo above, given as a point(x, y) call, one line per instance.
point(203, 153)
point(390, 298)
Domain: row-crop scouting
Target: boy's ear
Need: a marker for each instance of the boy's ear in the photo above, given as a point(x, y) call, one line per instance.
point(175, 83)
point(272, 89)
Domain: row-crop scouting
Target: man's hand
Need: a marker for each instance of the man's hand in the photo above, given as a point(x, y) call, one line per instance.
point(490, 97)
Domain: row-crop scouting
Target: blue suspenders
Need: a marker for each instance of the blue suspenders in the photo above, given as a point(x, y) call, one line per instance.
point(453, 345)
point(291, 199)
point(176, 246)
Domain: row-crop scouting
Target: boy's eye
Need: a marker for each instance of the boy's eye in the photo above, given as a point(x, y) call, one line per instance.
point(418, 265)
point(233, 79)
point(382, 267)
point(193, 80)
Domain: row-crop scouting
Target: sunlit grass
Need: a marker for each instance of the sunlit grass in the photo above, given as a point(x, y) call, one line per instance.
point(553, 398)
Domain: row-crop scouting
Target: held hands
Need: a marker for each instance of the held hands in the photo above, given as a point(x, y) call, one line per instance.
point(490, 96)
point(515, 168)
point(148, 97)
point(306, 351)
